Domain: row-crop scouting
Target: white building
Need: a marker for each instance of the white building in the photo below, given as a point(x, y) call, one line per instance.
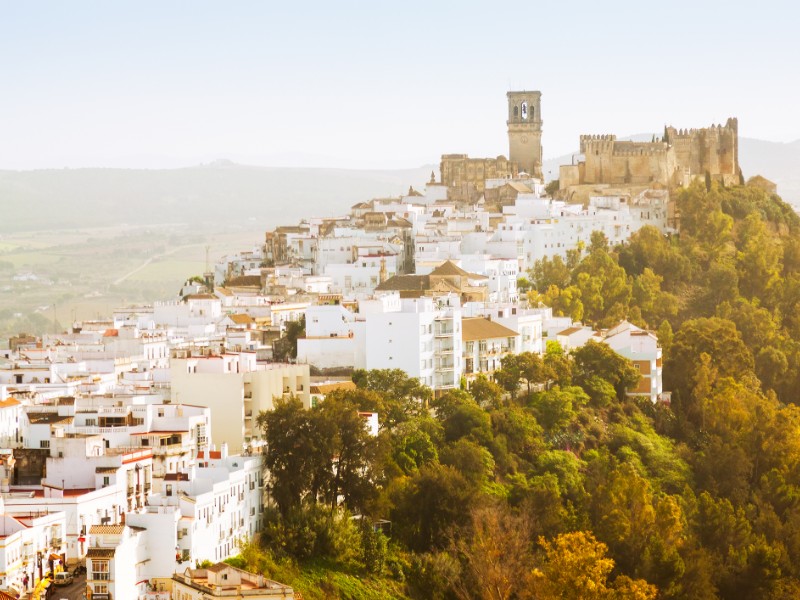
point(421, 336)
point(31, 545)
point(236, 388)
point(224, 581)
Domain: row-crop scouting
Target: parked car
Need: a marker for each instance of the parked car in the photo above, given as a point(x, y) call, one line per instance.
point(62, 578)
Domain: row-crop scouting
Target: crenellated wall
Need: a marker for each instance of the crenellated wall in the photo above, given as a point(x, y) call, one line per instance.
point(679, 157)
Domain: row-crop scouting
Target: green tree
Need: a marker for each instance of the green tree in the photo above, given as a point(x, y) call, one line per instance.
point(291, 452)
point(430, 503)
point(594, 359)
point(716, 337)
point(548, 271)
point(284, 349)
point(402, 397)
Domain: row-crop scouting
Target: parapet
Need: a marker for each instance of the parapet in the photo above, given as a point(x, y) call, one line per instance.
point(595, 140)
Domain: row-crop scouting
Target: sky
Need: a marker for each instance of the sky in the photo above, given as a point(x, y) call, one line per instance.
point(162, 84)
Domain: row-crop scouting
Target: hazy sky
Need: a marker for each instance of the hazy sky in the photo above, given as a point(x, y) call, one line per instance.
point(376, 84)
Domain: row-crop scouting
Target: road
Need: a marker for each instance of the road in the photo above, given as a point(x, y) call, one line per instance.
point(73, 591)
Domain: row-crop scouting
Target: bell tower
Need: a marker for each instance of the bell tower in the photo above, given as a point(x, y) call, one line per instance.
point(525, 131)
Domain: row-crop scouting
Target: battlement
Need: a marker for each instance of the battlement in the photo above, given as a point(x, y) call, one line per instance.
point(597, 141)
point(670, 161)
point(731, 127)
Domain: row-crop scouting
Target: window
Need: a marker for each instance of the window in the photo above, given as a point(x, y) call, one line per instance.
point(44, 443)
point(106, 481)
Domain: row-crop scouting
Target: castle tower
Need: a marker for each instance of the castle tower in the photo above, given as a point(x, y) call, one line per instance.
point(525, 131)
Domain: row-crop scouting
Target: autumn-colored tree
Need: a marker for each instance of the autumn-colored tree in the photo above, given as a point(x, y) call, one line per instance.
point(574, 566)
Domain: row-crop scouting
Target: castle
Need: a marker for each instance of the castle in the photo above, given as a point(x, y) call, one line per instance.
point(673, 161)
point(465, 177)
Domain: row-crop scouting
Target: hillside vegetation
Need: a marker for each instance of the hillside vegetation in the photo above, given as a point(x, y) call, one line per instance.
point(549, 482)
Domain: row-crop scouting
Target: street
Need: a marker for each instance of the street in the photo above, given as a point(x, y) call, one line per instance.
point(73, 591)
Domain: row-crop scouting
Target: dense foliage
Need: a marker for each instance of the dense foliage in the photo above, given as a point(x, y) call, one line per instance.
point(549, 482)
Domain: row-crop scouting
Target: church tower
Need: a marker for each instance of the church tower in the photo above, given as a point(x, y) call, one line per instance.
point(525, 131)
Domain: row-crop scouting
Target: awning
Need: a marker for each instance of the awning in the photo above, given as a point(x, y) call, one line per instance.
point(54, 556)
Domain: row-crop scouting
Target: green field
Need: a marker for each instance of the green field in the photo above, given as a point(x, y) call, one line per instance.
point(87, 273)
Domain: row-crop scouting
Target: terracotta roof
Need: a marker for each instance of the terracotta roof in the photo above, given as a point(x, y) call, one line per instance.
point(405, 283)
point(325, 388)
point(51, 418)
point(478, 328)
point(9, 402)
point(220, 566)
point(100, 552)
point(241, 319)
point(111, 333)
point(450, 268)
point(106, 529)
point(223, 291)
point(570, 331)
point(245, 281)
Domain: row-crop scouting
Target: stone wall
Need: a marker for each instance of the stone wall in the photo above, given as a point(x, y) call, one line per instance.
point(30, 465)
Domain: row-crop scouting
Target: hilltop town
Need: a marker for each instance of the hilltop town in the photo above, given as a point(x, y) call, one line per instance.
point(132, 444)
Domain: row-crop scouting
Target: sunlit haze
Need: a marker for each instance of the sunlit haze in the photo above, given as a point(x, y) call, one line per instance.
point(361, 85)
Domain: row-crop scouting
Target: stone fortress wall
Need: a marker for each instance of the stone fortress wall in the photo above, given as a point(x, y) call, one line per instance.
point(674, 160)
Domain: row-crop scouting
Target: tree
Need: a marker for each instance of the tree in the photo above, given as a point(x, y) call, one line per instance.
point(486, 393)
point(564, 302)
point(430, 503)
point(350, 454)
point(558, 363)
point(509, 374)
point(555, 408)
point(533, 369)
point(400, 396)
point(604, 286)
point(550, 271)
point(284, 349)
point(716, 337)
point(594, 359)
point(290, 455)
point(412, 444)
point(496, 556)
point(574, 566)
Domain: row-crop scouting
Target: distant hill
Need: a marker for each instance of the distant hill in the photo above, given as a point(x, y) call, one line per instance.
point(217, 193)
point(224, 192)
point(776, 161)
